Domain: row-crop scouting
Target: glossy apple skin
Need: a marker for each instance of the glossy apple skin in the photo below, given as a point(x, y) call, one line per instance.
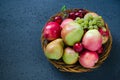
point(92, 40)
point(72, 33)
point(54, 50)
point(70, 56)
point(88, 59)
point(66, 21)
point(52, 31)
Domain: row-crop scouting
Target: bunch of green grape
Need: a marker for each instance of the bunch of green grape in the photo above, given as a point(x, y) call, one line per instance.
point(90, 22)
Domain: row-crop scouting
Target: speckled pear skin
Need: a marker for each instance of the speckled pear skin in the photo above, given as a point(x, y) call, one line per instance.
point(70, 56)
point(54, 50)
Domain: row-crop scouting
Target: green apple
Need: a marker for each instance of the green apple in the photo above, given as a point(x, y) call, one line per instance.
point(72, 33)
point(54, 50)
point(70, 56)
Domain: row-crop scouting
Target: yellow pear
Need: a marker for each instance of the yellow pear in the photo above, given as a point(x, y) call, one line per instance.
point(54, 50)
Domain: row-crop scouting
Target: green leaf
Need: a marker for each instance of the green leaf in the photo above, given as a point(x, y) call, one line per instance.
point(63, 8)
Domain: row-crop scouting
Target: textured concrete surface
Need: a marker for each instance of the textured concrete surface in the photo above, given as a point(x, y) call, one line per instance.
point(21, 56)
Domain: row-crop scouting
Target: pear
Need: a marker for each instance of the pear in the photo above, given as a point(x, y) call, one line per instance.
point(54, 50)
point(70, 56)
point(72, 33)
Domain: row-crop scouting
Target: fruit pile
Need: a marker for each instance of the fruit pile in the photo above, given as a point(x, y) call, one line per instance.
point(79, 37)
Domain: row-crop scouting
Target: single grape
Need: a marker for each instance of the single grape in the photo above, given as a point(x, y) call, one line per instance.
point(79, 20)
point(94, 22)
point(82, 20)
point(78, 14)
point(90, 23)
point(96, 18)
point(90, 27)
point(95, 27)
point(78, 47)
point(88, 17)
point(85, 27)
point(82, 24)
point(86, 22)
point(58, 19)
point(100, 23)
point(83, 11)
point(72, 15)
point(100, 17)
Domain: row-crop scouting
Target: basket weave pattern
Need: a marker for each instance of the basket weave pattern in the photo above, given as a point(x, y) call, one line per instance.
point(59, 64)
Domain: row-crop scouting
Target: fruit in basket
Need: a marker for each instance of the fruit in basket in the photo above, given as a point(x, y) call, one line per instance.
point(72, 15)
point(58, 19)
point(93, 14)
point(54, 50)
point(66, 21)
point(92, 40)
point(88, 59)
point(78, 47)
point(105, 34)
point(70, 56)
point(72, 33)
point(90, 21)
point(83, 11)
point(74, 39)
point(52, 31)
point(79, 14)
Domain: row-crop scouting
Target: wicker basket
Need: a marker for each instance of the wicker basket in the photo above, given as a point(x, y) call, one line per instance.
point(59, 64)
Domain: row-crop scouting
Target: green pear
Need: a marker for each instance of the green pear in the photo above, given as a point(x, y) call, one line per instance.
point(70, 56)
point(54, 50)
point(72, 33)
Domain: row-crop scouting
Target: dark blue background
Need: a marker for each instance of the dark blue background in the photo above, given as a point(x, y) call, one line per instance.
point(21, 55)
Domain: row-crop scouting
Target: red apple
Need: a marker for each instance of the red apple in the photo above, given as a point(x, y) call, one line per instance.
point(92, 40)
point(88, 59)
point(52, 31)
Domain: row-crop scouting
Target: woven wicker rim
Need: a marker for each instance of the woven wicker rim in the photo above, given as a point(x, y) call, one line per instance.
point(77, 68)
